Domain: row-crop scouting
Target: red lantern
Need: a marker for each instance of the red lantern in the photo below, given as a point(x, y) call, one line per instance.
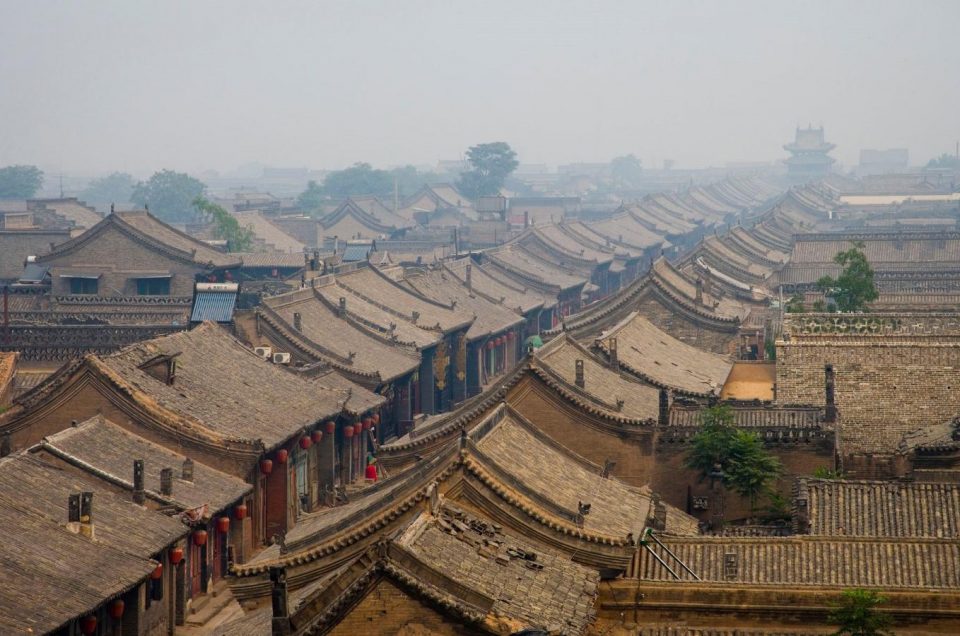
point(116, 609)
point(376, 419)
point(240, 512)
point(306, 442)
point(266, 466)
point(331, 427)
point(176, 555)
point(88, 625)
point(282, 456)
point(200, 537)
point(367, 423)
point(490, 345)
point(511, 335)
point(157, 572)
point(223, 525)
point(348, 431)
point(316, 436)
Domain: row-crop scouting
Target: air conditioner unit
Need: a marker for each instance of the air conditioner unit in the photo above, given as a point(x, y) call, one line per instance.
point(281, 358)
point(263, 352)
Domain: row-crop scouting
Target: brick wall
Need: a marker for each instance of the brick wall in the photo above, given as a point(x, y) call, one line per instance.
point(387, 609)
point(883, 388)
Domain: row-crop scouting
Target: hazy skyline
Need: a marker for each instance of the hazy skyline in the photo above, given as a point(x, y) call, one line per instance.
point(100, 86)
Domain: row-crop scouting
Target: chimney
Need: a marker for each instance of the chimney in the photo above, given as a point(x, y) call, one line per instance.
point(663, 418)
point(166, 481)
point(707, 288)
point(5, 444)
point(187, 472)
point(614, 358)
point(830, 415)
point(278, 593)
point(297, 321)
point(526, 219)
point(138, 494)
point(659, 514)
point(699, 290)
point(336, 244)
point(86, 515)
point(315, 263)
point(342, 310)
point(469, 277)
point(579, 370)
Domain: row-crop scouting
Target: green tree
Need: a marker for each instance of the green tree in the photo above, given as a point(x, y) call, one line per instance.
point(312, 198)
point(114, 188)
point(857, 615)
point(822, 472)
point(491, 164)
point(854, 288)
point(20, 182)
point(945, 161)
point(409, 179)
point(226, 226)
point(627, 171)
point(794, 304)
point(359, 179)
point(745, 465)
point(169, 195)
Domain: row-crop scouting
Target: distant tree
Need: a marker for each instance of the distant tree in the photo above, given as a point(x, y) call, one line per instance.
point(794, 305)
point(627, 171)
point(114, 188)
point(312, 198)
point(359, 179)
point(170, 195)
point(226, 226)
point(491, 164)
point(945, 161)
point(20, 182)
point(745, 465)
point(854, 288)
point(409, 179)
point(857, 615)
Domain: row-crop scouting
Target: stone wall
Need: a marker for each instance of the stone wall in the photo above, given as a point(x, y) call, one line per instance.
point(885, 387)
point(681, 327)
point(387, 609)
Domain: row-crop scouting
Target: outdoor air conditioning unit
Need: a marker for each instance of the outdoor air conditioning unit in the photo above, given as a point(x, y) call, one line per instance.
point(263, 352)
point(281, 358)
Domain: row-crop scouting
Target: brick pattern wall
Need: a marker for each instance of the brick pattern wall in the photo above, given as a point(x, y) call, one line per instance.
point(883, 389)
point(387, 609)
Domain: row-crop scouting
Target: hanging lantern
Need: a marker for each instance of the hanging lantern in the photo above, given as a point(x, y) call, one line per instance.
point(200, 537)
point(88, 625)
point(306, 442)
point(176, 555)
point(348, 431)
point(316, 436)
point(157, 572)
point(223, 525)
point(116, 609)
point(266, 466)
point(282, 456)
point(511, 335)
point(367, 423)
point(240, 512)
point(331, 427)
point(376, 419)
point(490, 345)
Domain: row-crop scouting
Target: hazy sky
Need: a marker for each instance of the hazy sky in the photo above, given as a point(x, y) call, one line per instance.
point(137, 86)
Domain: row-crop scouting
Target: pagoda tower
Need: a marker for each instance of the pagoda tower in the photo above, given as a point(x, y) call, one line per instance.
point(808, 154)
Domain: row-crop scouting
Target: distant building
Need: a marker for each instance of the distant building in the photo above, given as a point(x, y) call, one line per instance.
point(891, 161)
point(808, 154)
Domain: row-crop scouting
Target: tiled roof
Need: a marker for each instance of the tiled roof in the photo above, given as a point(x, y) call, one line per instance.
point(150, 226)
point(812, 561)
point(882, 508)
point(107, 451)
point(345, 343)
point(881, 247)
point(491, 317)
point(513, 293)
point(640, 401)
point(662, 359)
point(270, 234)
point(269, 259)
point(225, 387)
point(523, 266)
point(41, 559)
point(8, 369)
point(530, 585)
point(623, 228)
point(557, 478)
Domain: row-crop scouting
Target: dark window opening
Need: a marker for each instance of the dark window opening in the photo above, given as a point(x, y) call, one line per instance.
point(153, 286)
point(83, 285)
